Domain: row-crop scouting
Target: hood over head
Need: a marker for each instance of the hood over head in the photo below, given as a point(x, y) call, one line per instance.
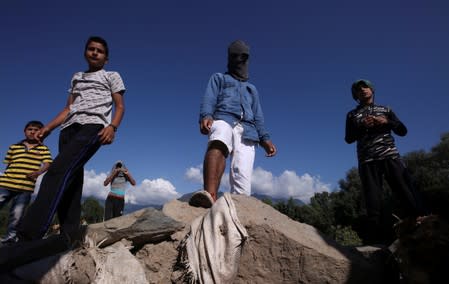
point(238, 55)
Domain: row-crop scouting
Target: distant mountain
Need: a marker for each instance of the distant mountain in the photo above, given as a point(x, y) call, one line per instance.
point(298, 202)
point(186, 197)
point(129, 208)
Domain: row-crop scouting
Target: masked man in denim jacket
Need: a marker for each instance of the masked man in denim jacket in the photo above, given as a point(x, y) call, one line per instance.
point(232, 117)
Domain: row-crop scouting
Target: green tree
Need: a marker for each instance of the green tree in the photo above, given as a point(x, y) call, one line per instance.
point(289, 208)
point(341, 214)
point(319, 213)
point(347, 202)
point(441, 151)
point(92, 211)
point(431, 170)
point(347, 236)
point(431, 175)
point(268, 201)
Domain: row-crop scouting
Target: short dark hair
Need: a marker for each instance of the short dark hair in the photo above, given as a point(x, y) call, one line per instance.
point(99, 40)
point(36, 123)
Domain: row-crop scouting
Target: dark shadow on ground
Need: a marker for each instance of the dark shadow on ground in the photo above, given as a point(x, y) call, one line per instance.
point(15, 255)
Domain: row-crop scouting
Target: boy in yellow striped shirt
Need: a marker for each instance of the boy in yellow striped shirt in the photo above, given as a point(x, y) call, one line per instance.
point(25, 161)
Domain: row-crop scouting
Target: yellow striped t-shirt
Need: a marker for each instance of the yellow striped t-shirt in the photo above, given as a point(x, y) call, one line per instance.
point(22, 161)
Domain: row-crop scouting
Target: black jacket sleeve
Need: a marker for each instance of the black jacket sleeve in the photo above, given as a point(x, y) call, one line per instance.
point(396, 125)
point(352, 131)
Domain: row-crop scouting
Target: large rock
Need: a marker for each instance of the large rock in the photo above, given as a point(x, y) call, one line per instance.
point(281, 250)
point(113, 264)
point(141, 227)
point(158, 261)
point(142, 248)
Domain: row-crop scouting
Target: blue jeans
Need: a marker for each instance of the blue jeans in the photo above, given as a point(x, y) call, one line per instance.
point(20, 201)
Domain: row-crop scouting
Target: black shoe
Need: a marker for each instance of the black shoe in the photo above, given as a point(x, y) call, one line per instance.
point(23, 252)
point(10, 241)
point(202, 199)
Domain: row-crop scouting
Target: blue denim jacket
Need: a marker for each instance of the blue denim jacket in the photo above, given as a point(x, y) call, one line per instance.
point(234, 101)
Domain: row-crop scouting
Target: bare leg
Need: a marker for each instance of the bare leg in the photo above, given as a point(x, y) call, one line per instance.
point(213, 167)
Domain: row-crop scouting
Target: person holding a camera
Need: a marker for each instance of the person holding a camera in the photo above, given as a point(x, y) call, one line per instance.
point(118, 178)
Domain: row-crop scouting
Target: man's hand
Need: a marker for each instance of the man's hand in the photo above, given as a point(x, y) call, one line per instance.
point(205, 125)
point(269, 147)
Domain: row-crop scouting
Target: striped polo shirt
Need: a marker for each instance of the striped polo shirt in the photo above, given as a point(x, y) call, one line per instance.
point(92, 97)
point(22, 161)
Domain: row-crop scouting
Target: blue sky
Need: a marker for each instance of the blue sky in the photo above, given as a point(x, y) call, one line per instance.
point(304, 57)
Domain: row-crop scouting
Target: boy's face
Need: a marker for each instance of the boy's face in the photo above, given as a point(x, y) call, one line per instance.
point(30, 131)
point(95, 55)
point(364, 94)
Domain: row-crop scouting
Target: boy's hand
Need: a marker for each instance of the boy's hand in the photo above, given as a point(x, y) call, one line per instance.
point(42, 134)
point(33, 175)
point(205, 125)
point(269, 147)
point(107, 135)
point(371, 120)
point(368, 121)
point(379, 120)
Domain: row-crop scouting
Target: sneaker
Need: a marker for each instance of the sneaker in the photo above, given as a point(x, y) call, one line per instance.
point(10, 240)
point(202, 199)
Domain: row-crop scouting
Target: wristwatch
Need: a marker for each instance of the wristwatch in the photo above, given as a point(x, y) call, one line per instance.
point(113, 127)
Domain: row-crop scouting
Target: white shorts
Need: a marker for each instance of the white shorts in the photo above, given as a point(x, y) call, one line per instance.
point(242, 154)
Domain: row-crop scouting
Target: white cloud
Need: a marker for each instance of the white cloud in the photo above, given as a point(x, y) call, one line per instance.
point(158, 191)
point(149, 192)
point(93, 185)
point(288, 184)
point(194, 174)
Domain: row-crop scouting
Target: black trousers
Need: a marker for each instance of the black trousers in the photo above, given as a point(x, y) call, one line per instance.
point(61, 188)
point(113, 207)
point(399, 180)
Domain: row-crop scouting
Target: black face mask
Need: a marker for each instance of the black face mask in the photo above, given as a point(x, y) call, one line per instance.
point(238, 55)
